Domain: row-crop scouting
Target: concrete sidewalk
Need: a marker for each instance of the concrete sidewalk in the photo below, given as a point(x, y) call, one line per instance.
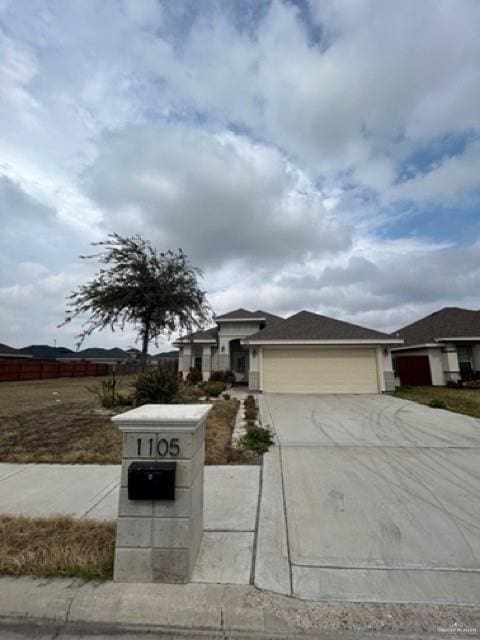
point(91, 491)
point(213, 611)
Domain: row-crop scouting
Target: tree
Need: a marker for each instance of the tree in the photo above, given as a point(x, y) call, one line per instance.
point(157, 292)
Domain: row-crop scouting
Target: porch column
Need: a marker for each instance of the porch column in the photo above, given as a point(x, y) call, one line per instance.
point(186, 360)
point(206, 362)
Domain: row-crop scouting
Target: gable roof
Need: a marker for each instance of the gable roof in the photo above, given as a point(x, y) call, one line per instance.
point(306, 325)
point(46, 352)
point(6, 351)
point(449, 322)
point(241, 314)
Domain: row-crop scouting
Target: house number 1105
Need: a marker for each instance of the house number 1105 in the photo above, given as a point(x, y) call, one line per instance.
point(164, 447)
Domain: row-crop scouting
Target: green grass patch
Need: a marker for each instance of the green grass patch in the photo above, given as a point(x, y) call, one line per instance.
point(57, 547)
point(465, 401)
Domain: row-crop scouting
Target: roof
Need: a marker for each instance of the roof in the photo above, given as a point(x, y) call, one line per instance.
point(46, 352)
point(98, 352)
point(206, 335)
point(306, 325)
point(5, 350)
point(166, 354)
point(245, 314)
point(449, 322)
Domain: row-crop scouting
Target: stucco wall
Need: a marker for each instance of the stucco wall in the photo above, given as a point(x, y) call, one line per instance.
point(436, 367)
point(476, 357)
point(231, 331)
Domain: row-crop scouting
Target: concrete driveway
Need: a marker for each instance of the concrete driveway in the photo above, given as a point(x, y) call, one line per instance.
point(381, 499)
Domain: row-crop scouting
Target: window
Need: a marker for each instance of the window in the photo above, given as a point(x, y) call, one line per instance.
point(241, 364)
point(464, 355)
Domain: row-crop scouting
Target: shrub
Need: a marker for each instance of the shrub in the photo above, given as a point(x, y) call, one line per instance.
point(472, 384)
point(257, 439)
point(250, 413)
point(194, 376)
point(108, 394)
point(214, 389)
point(217, 376)
point(155, 386)
point(454, 385)
point(226, 396)
point(229, 377)
point(437, 404)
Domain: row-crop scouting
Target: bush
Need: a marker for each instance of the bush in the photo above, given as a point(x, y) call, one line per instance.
point(250, 413)
point(194, 376)
point(217, 376)
point(257, 439)
point(437, 404)
point(155, 386)
point(454, 385)
point(108, 394)
point(214, 389)
point(226, 396)
point(229, 377)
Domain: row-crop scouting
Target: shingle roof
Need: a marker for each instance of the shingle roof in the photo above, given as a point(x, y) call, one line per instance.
point(203, 334)
point(450, 322)
point(240, 314)
point(46, 352)
point(306, 325)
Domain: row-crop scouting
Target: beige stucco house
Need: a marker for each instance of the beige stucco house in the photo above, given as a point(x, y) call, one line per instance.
point(439, 348)
point(305, 353)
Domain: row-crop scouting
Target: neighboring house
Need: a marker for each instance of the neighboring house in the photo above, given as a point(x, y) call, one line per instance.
point(45, 352)
point(11, 352)
point(440, 348)
point(99, 355)
point(305, 353)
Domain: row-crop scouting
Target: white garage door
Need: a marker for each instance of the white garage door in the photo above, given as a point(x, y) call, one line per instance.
point(320, 371)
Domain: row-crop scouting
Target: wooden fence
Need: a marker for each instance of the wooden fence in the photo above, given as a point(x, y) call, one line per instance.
point(23, 369)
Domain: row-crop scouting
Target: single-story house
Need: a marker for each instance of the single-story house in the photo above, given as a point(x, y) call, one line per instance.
point(98, 355)
point(440, 348)
point(11, 352)
point(305, 353)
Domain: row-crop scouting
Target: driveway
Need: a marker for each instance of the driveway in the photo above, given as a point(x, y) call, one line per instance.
point(381, 498)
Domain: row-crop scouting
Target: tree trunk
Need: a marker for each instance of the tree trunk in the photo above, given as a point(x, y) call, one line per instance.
point(145, 341)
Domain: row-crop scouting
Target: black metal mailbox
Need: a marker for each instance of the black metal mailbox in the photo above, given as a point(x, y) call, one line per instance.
point(151, 481)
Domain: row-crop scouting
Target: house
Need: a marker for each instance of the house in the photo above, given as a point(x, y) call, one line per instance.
point(46, 352)
point(305, 353)
point(11, 352)
point(443, 347)
point(98, 355)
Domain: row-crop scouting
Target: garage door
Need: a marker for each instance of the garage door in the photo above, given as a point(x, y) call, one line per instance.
point(320, 371)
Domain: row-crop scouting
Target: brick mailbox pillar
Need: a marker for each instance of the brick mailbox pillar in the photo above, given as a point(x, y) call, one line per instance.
point(160, 512)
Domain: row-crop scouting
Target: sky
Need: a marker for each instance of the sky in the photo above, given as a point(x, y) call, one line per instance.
point(320, 155)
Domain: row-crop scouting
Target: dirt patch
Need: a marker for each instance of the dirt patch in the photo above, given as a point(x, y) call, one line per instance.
point(61, 546)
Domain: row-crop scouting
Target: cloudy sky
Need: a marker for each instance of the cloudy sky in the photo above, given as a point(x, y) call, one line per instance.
point(314, 155)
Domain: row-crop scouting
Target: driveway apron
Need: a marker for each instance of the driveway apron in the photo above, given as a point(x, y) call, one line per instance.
point(380, 499)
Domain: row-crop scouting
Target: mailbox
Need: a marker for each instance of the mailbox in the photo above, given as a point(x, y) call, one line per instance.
point(151, 481)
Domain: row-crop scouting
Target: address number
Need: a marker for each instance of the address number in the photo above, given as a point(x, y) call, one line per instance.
point(164, 447)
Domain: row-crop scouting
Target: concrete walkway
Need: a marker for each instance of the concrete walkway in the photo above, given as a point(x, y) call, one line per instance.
point(371, 499)
point(91, 491)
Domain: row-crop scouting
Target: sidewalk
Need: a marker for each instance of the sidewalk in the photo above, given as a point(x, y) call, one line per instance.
point(215, 611)
point(91, 491)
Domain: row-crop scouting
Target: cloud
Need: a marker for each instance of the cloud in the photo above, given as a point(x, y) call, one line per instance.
point(220, 196)
point(267, 139)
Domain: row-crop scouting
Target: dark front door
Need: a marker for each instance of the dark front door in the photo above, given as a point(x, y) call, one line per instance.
point(413, 371)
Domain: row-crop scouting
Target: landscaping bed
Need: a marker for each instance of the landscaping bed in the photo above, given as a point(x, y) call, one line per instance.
point(57, 547)
point(466, 401)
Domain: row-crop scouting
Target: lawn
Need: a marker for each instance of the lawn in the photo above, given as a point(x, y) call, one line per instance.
point(60, 547)
point(60, 421)
point(466, 401)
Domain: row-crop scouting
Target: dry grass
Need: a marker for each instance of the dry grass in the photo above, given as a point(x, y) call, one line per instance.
point(218, 432)
point(55, 421)
point(466, 401)
point(64, 434)
point(61, 546)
